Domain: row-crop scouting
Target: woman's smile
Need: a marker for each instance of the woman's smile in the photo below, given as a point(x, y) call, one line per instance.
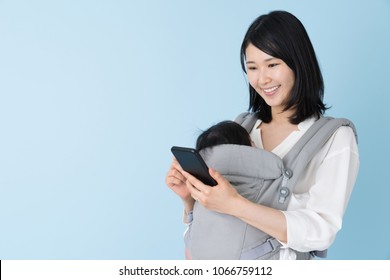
point(270, 90)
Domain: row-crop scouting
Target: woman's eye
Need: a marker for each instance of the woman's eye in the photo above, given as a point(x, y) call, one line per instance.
point(272, 65)
point(252, 68)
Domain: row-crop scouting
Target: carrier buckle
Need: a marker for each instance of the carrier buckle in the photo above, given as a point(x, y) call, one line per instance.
point(269, 240)
point(268, 246)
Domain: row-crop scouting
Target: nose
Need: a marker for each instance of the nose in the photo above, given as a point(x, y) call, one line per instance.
point(263, 78)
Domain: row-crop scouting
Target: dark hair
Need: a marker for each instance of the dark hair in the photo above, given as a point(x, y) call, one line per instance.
point(225, 132)
point(281, 35)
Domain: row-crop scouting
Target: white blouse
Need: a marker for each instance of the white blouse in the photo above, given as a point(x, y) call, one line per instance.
point(320, 198)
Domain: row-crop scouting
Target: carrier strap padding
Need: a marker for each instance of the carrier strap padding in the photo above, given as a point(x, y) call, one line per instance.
point(309, 144)
point(247, 120)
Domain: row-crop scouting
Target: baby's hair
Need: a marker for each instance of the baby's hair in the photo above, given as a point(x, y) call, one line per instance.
point(225, 132)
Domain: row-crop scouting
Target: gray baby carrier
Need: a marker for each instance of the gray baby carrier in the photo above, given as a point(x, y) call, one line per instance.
point(261, 177)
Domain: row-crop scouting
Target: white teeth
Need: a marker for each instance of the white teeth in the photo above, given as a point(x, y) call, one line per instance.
point(270, 89)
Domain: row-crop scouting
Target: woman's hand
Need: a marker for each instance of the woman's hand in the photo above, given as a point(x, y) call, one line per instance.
point(220, 198)
point(176, 181)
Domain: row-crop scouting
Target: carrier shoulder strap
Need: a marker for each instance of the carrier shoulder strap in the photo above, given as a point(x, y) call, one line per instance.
point(246, 120)
point(309, 144)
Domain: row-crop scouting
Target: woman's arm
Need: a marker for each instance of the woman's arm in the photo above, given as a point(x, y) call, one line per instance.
point(273, 221)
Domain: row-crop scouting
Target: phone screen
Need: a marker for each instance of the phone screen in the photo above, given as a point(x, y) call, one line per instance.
point(192, 162)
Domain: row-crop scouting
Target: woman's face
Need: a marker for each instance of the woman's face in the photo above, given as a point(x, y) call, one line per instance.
point(270, 77)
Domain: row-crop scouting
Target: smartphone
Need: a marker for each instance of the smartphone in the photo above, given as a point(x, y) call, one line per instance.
point(192, 162)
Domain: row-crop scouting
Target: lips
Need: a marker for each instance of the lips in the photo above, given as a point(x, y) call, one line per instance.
point(271, 90)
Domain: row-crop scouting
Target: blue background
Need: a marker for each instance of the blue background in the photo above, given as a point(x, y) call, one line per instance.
point(94, 93)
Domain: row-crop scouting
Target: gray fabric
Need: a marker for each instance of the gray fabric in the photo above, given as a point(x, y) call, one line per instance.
point(260, 176)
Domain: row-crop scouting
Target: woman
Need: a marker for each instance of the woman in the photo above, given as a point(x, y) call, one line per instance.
point(286, 92)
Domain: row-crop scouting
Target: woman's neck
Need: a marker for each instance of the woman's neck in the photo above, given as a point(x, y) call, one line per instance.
point(281, 117)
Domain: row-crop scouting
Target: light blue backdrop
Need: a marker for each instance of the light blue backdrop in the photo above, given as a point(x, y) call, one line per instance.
point(94, 93)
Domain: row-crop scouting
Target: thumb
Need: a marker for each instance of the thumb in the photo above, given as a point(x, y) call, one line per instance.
point(217, 176)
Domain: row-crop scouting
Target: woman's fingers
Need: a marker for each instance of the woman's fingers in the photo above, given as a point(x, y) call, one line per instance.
point(196, 183)
point(174, 175)
point(176, 164)
point(218, 198)
point(176, 181)
point(217, 176)
point(193, 191)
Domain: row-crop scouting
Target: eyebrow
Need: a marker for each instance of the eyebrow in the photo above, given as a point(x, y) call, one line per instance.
point(266, 60)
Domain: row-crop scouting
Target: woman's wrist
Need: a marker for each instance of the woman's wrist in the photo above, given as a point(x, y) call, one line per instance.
point(188, 204)
point(239, 204)
point(188, 207)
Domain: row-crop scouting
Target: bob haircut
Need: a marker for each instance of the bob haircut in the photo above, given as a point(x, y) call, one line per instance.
point(225, 132)
point(281, 35)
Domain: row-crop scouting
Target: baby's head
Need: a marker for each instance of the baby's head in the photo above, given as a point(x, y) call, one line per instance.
point(225, 132)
